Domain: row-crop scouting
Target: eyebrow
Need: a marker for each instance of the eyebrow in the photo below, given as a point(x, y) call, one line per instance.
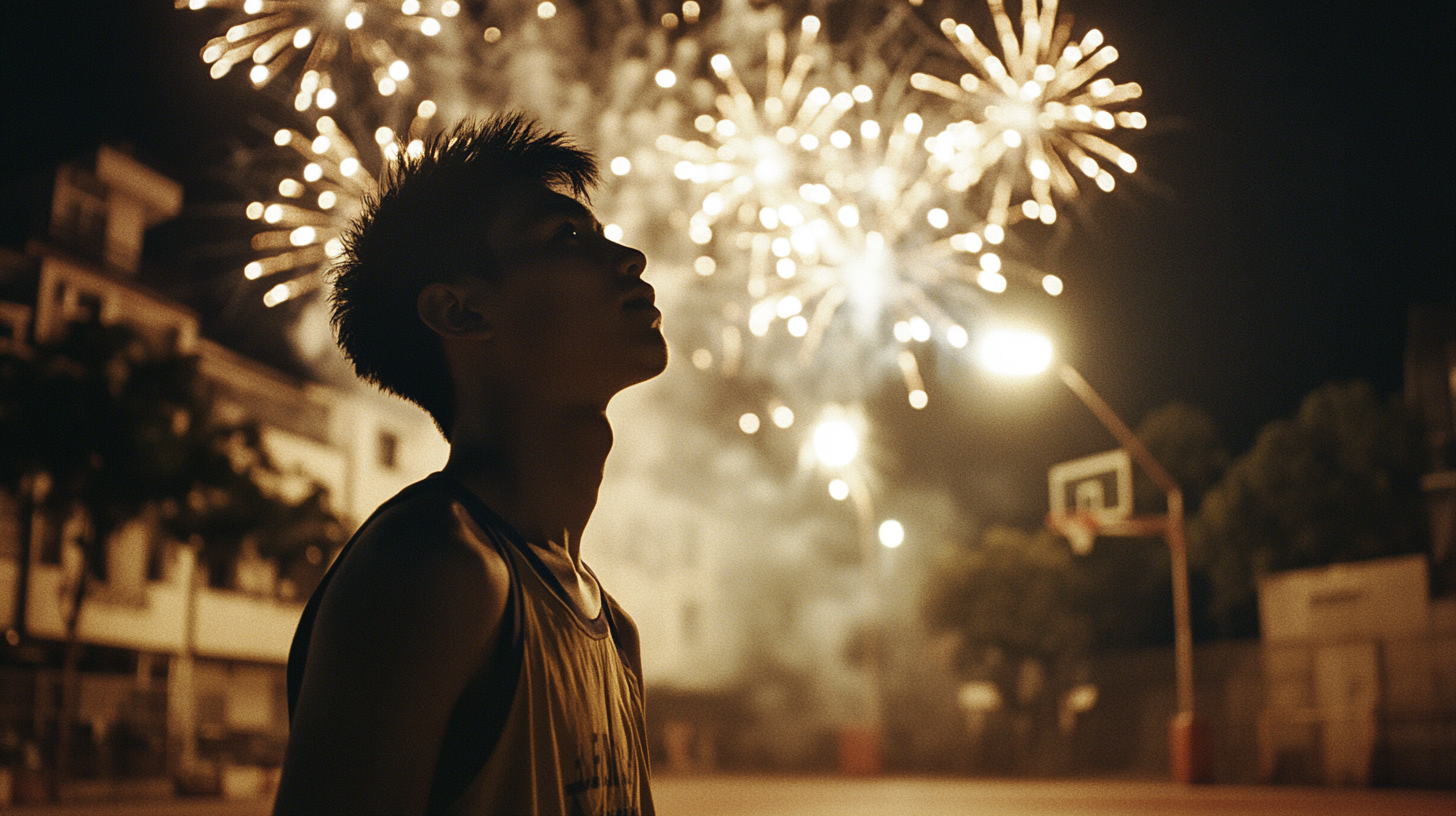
point(563, 205)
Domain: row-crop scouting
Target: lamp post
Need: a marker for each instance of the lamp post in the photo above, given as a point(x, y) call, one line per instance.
point(1026, 354)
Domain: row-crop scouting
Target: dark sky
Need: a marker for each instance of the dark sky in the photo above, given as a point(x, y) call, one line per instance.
point(1294, 195)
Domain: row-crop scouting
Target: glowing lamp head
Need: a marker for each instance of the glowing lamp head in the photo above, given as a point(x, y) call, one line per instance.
point(1016, 353)
point(835, 443)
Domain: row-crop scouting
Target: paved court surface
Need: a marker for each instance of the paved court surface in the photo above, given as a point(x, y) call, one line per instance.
point(917, 796)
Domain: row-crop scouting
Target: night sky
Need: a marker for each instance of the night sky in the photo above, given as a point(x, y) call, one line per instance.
point(1293, 200)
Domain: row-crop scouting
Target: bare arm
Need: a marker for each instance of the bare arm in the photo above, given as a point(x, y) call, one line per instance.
point(408, 620)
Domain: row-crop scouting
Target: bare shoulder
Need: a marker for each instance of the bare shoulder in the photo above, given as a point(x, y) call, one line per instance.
point(426, 551)
point(409, 617)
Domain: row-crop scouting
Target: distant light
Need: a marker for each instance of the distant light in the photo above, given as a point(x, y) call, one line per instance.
point(702, 359)
point(991, 281)
point(957, 337)
point(259, 74)
point(621, 166)
point(835, 443)
point(410, 6)
point(282, 137)
point(449, 8)
point(919, 399)
point(783, 416)
point(666, 78)
point(255, 210)
point(839, 490)
point(429, 26)
point(383, 136)
point(320, 145)
point(862, 93)
point(492, 34)
point(612, 232)
point(748, 423)
point(995, 233)
point(277, 295)
point(705, 265)
point(937, 218)
point(399, 70)
point(1016, 353)
point(870, 129)
point(327, 199)
point(1052, 284)
point(253, 270)
point(303, 236)
point(326, 98)
point(348, 167)
point(669, 20)
point(312, 172)
point(691, 10)
point(546, 10)
point(354, 19)
point(892, 533)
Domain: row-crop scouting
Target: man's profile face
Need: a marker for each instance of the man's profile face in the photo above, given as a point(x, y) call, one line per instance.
point(576, 315)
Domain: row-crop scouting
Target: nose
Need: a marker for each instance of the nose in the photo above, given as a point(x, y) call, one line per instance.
point(631, 262)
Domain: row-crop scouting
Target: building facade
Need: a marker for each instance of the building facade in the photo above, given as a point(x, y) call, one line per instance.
point(181, 677)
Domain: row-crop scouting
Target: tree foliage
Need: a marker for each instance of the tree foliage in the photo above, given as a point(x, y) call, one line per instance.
point(1337, 482)
point(1015, 597)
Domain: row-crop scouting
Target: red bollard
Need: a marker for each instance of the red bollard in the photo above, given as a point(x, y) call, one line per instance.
point(1190, 757)
point(859, 750)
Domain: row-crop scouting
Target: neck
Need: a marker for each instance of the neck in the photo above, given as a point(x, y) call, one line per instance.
point(540, 469)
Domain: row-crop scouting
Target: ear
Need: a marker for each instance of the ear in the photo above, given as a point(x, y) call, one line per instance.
point(455, 310)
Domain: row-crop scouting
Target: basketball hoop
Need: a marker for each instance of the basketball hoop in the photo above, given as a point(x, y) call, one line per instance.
point(1079, 527)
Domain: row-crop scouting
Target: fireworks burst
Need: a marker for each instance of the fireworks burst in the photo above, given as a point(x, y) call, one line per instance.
point(1036, 113)
point(839, 231)
point(303, 233)
point(276, 32)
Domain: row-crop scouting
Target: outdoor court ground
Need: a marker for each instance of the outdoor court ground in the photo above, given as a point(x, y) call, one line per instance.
point(921, 796)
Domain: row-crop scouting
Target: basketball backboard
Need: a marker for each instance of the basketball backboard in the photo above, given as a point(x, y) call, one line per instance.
point(1099, 485)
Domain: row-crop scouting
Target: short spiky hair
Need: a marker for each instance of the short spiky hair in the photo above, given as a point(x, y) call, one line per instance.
point(428, 224)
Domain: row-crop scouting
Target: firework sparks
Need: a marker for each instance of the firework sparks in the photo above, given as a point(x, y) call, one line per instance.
point(1036, 112)
point(276, 32)
point(832, 221)
point(303, 232)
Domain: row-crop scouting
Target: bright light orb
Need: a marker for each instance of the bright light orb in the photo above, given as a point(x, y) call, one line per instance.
point(839, 490)
point(1016, 353)
point(892, 533)
point(835, 443)
point(749, 423)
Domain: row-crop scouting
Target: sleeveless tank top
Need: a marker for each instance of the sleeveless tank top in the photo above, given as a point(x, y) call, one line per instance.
point(553, 728)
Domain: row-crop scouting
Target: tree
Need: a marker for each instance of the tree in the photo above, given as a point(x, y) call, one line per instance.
point(1014, 609)
point(100, 427)
point(1340, 481)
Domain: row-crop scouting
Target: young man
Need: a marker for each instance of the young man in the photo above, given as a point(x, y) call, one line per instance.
point(460, 657)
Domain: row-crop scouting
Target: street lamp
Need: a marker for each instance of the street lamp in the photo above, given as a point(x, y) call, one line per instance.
point(1022, 353)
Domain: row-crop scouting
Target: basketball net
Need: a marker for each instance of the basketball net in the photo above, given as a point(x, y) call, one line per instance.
point(1080, 529)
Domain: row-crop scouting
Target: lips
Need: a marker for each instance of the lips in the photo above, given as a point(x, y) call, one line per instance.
point(641, 297)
